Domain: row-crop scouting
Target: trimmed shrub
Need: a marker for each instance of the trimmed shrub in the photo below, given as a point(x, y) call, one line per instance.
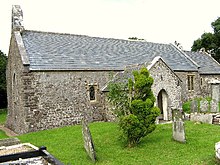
point(134, 105)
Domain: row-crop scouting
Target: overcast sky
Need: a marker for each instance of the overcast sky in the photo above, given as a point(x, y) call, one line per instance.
point(161, 21)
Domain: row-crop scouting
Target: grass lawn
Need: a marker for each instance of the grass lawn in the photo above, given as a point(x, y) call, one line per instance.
point(3, 135)
point(156, 149)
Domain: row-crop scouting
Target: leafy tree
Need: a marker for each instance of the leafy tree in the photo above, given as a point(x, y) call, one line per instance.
point(210, 41)
point(3, 91)
point(134, 105)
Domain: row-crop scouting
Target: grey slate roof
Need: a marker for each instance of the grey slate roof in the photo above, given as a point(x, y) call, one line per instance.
point(123, 76)
point(207, 64)
point(55, 51)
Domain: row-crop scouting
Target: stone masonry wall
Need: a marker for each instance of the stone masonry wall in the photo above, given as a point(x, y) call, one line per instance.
point(186, 94)
point(206, 86)
point(56, 99)
point(43, 100)
point(15, 89)
point(165, 78)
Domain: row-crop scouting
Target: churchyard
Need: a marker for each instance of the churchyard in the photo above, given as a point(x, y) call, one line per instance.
point(67, 145)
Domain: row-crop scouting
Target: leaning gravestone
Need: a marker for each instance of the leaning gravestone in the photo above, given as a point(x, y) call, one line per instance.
point(194, 106)
point(214, 106)
point(204, 106)
point(88, 143)
point(178, 126)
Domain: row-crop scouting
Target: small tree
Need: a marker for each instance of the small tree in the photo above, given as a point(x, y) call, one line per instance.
point(134, 105)
point(3, 91)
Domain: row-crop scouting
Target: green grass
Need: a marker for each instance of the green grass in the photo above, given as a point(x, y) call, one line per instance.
point(3, 135)
point(3, 115)
point(157, 148)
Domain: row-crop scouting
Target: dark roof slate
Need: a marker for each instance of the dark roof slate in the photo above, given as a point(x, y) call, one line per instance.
point(207, 63)
point(55, 51)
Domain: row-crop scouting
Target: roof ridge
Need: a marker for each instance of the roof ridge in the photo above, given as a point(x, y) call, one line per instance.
point(59, 33)
point(189, 58)
point(71, 34)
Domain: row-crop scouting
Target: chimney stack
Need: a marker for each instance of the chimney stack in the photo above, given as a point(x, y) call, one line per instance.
point(17, 18)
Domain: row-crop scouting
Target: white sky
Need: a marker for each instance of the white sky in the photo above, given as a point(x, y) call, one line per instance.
point(161, 21)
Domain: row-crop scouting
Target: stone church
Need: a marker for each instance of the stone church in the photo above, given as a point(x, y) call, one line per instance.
point(54, 79)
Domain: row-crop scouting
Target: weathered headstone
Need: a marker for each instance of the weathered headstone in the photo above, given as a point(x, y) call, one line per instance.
point(214, 106)
point(194, 106)
point(178, 126)
point(215, 87)
point(204, 106)
point(88, 142)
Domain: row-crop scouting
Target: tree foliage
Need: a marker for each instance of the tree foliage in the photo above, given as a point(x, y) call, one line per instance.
point(3, 91)
point(134, 105)
point(210, 41)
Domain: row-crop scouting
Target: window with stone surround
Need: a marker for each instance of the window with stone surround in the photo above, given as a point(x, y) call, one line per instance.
point(190, 82)
point(92, 92)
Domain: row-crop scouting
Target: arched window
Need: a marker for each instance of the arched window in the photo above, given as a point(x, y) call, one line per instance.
point(92, 93)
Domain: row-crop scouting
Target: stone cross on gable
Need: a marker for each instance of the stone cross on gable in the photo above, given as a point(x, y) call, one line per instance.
point(17, 18)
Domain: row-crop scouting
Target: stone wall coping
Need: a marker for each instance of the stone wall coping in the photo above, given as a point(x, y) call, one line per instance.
point(21, 48)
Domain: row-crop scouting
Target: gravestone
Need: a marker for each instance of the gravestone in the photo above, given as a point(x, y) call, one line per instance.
point(215, 86)
point(178, 126)
point(88, 142)
point(204, 106)
point(194, 106)
point(214, 106)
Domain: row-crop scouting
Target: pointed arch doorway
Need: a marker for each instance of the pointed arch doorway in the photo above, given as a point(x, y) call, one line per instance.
point(162, 102)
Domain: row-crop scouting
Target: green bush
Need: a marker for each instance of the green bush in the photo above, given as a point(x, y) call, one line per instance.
point(3, 91)
point(134, 106)
point(186, 107)
point(219, 106)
